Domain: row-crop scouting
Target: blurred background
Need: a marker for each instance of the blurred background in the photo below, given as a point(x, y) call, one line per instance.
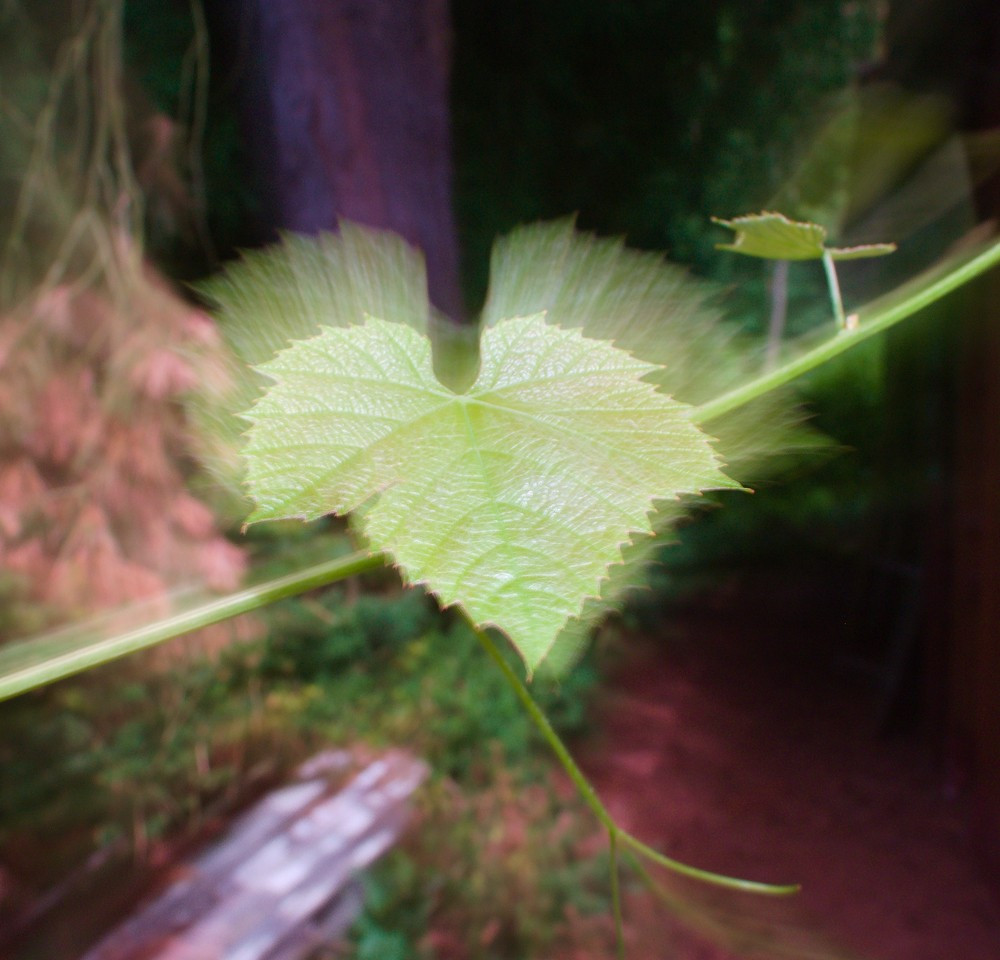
point(808, 688)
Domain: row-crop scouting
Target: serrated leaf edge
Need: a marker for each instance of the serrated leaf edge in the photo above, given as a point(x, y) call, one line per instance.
point(483, 624)
point(356, 515)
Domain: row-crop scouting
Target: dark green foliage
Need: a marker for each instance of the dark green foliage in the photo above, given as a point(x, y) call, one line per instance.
point(382, 660)
point(312, 642)
point(95, 754)
point(647, 117)
point(396, 911)
point(116, 760)
point(495, 872)
point(114, 756)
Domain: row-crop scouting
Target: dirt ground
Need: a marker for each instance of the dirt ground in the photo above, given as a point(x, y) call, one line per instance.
point(742, 745)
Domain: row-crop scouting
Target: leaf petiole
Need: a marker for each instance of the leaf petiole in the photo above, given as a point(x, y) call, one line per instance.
point(833, 285)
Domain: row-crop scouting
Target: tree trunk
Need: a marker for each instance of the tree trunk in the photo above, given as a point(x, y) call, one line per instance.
point(345, 115)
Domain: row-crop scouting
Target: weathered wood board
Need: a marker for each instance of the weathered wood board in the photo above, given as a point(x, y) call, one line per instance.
point(281, 880)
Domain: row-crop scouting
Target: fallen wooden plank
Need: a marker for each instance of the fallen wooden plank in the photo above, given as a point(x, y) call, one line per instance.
point(269, 889)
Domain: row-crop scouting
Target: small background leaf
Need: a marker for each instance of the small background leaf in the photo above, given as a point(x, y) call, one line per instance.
point(772, 236)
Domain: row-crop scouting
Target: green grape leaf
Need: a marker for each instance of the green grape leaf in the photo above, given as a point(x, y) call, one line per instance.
point(512, 499)
point(774, 237)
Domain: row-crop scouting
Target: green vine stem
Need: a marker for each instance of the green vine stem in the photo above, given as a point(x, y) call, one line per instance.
point(42, 660)
point(833, 284)
point(592, 800)
point(872, 319)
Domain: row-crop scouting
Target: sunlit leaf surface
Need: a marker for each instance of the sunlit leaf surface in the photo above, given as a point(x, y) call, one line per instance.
point(512, 499)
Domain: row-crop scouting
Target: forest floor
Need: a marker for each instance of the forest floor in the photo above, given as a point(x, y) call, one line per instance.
point(740, 744)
